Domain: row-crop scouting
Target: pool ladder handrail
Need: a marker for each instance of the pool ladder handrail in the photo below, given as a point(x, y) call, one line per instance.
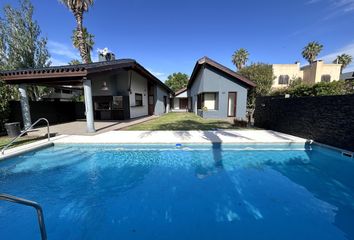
point(35, 205)
point(24, 132)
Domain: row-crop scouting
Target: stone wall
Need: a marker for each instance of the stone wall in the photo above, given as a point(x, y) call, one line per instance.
point(326, 119)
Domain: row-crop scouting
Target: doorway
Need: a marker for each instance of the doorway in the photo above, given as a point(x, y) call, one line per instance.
point(232, 100)
point(183, 103)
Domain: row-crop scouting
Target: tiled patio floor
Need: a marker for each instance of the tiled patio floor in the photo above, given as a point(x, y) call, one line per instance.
point(79, 127)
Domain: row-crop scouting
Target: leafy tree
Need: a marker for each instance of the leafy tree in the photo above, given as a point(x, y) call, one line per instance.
point(177, 81)
point(240, 57)
point(21, 43)
point(343, 59)
point(311, 51)
point(23, 47)
point(88, 40)
point(78, 8)
point(6, 93)
point(262, 75)
point(74, 62)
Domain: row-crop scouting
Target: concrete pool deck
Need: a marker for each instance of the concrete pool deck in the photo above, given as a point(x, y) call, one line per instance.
point(163, 137)
point(79, 127)
point(172, 137)
point(12, 152)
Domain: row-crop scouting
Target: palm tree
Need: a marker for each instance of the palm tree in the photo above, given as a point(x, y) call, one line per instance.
point(311, 51)
point(88, 41)
point(343, 59)
point(74, 62)
point(240, 57)
point(78, 8)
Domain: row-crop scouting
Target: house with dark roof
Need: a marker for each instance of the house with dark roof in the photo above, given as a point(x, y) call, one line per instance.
point(180, 103)
point(348, 76)
point(215, 91)
point(113, 90)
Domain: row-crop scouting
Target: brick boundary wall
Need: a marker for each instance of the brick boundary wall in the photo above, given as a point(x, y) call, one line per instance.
point(325, 119)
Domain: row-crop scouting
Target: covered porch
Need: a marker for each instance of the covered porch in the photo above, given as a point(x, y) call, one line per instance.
point(114, 91)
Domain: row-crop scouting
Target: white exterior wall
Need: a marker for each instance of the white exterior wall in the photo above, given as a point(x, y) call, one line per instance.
point(138, 85)
point(176, 103)
point(182, 95)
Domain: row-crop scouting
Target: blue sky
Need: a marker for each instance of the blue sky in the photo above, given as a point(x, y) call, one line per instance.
point(169, 36)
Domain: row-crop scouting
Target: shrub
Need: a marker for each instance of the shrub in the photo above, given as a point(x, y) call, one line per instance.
point(5, 93)
point(301, 90)
point(295, 82)
point(318, 89)
point(240, 123)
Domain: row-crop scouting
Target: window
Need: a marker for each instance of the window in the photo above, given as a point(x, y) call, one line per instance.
point(326, 78)
point(283, 79)
point(117, 102)
point(208, 100)
point(138, 99)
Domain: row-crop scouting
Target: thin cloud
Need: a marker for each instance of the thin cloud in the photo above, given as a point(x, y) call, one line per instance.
point(57, 62)
point(62, 50)
point(336, 6)
point(312, 2)
point(159, 75)
point(347, 49)
point(344, 5)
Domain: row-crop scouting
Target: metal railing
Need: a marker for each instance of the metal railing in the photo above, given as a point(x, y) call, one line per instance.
point(35, 205)
point(24, 132)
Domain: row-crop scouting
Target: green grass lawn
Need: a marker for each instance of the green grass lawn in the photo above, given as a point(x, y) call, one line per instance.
point(182, 121)
point(21, 141)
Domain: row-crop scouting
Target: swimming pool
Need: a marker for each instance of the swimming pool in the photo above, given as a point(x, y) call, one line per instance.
point(190, 192)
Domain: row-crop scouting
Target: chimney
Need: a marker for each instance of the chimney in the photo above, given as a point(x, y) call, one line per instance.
point(105, 55)
point(298, 64)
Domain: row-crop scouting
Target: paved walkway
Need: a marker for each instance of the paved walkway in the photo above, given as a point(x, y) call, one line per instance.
point(79, 127)
point(160, 137)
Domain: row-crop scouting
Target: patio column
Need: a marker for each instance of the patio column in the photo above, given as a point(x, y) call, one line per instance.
point(25, 108)
point(89, 106)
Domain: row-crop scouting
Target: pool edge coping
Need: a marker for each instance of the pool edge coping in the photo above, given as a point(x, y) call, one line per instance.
point(17, 152)
point(37, 145)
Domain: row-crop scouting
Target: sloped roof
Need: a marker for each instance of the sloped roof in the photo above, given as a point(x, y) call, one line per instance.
point(180, 91)
point(347, 76)
point(72, 73)
point(218, 66)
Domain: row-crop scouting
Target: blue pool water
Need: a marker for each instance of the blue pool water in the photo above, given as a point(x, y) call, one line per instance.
point(193, 192)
